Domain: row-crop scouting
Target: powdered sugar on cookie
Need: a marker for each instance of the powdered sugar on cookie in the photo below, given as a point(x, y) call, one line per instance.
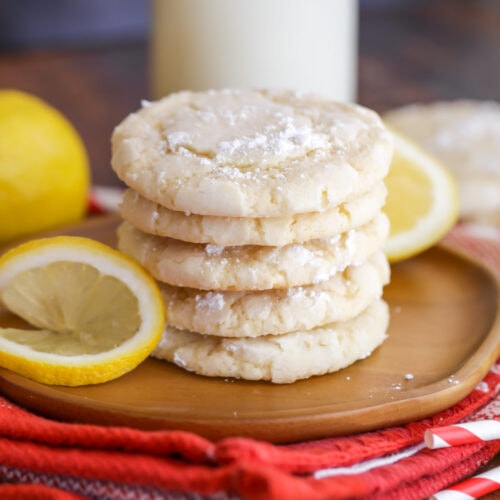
point(250, 153)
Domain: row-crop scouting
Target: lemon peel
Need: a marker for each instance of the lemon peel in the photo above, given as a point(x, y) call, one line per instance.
point(44, 169)
point(97, 313)
point(422, 201)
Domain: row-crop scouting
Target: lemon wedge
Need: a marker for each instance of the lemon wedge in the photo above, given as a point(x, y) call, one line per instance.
point(97, 313)
point(422, 201)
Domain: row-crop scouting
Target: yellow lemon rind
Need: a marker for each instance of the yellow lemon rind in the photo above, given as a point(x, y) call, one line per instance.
point(40, 145)
point(84, 369)
point(443, 215)
point(56, 370)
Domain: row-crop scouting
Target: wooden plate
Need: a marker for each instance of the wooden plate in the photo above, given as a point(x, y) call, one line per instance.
point(444, 336)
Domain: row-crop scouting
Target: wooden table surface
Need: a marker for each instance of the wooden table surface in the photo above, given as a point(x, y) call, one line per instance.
point(409, 51)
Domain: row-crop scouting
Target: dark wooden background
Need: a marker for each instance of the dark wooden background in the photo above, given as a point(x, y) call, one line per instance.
point(409, 51)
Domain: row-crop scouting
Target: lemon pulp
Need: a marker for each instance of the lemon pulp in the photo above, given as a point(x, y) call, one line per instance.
point(422, 201)
point(97, 313)
point(71, 302)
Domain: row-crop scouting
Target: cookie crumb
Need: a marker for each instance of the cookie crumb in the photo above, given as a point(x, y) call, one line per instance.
point(212, 249)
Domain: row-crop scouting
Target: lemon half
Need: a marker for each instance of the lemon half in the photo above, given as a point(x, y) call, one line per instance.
point(422, 201)
point(98, 314)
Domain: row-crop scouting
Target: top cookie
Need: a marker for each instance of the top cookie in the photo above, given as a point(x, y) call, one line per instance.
point(250, 153)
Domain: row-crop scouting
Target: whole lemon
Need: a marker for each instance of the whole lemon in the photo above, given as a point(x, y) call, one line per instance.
point(44, 170)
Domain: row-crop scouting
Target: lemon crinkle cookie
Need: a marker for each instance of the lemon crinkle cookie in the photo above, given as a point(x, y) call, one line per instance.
point(272, 312)
point(152, 218)
point(279, 358)
point(210, 267)
point(465, 136)
point(249, 153)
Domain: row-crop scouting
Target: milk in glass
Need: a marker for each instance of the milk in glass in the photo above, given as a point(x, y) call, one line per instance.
point(305, 45)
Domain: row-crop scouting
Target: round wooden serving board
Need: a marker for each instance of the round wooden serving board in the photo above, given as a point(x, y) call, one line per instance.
point(443, 338)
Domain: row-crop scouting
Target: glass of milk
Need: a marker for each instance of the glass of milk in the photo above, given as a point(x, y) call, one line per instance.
point(304, 45)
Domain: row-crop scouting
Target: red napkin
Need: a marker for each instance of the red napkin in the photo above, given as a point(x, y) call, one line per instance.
point(46, 459)
point(116, 463)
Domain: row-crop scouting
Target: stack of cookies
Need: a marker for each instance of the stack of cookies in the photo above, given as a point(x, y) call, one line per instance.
point(260, 215)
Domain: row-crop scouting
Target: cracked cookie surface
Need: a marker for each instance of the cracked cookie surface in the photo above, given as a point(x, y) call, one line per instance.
point(272, 312)
point(250, 153)
point(251, 267)
point(278, 358)
point(153, 218)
